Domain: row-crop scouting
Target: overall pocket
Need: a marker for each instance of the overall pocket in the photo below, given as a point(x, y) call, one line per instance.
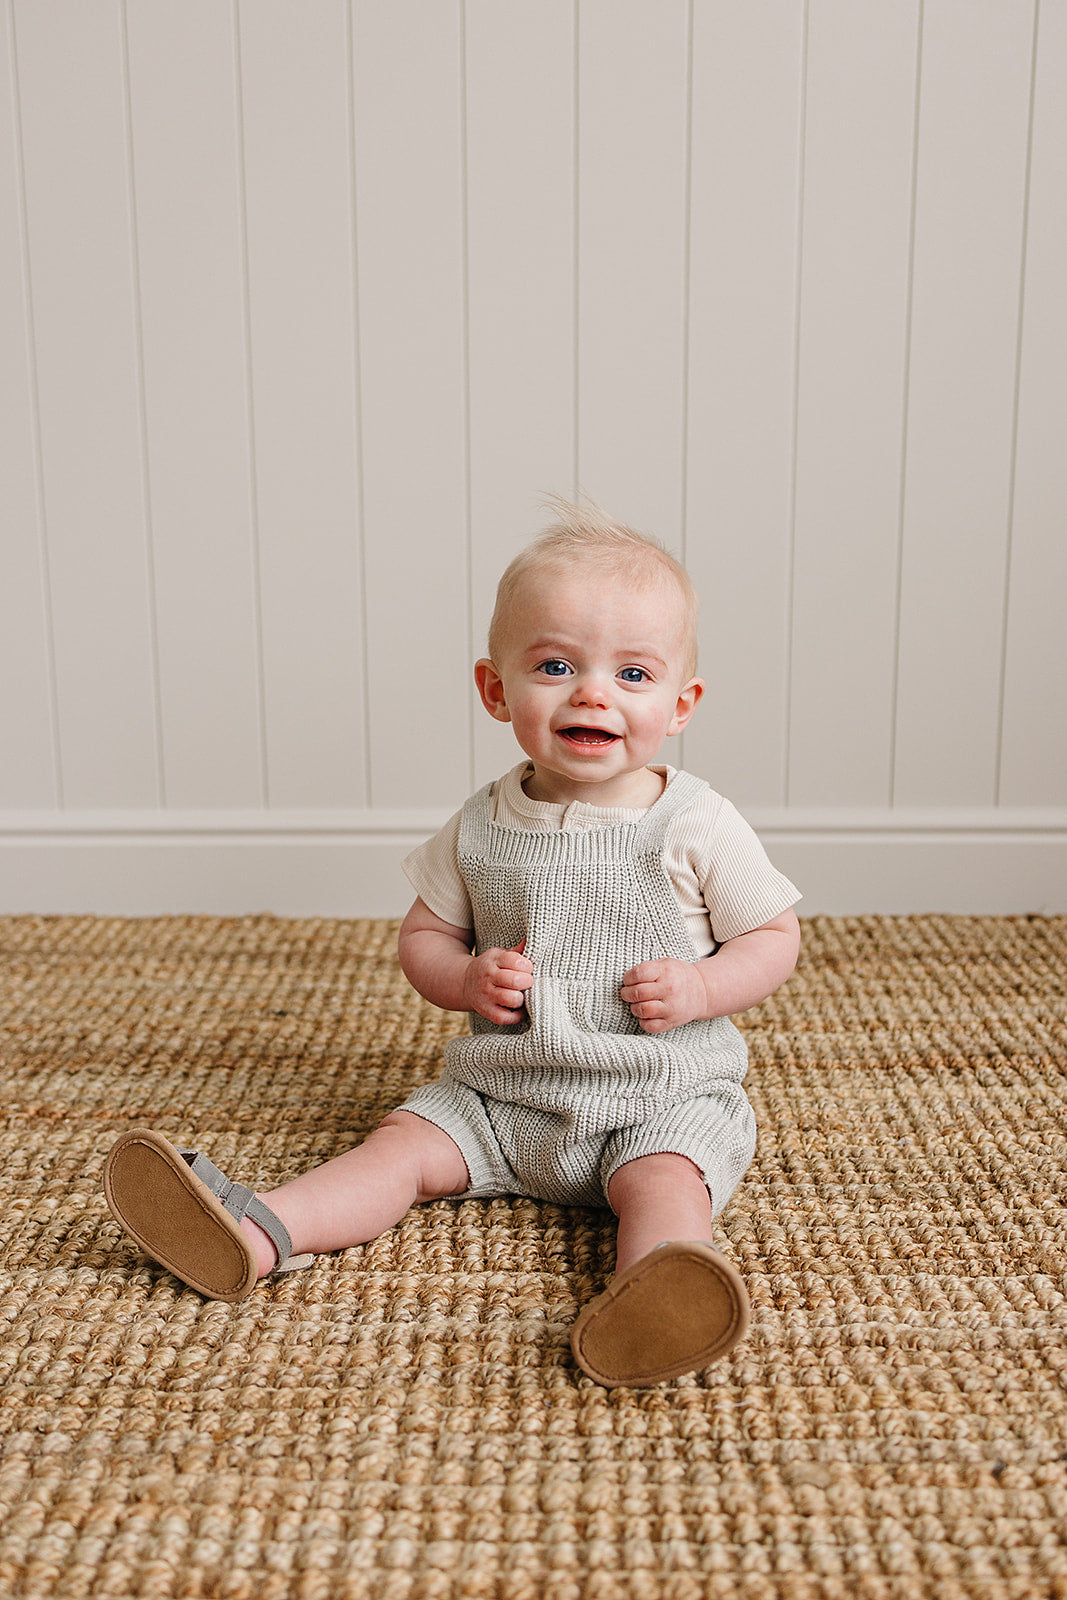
point(595, 1007)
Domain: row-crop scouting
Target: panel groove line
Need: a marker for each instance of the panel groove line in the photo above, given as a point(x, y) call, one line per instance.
point(520, 244)
point(253, 474)
point(36, 472)
point(468, 530)
point(976, 94)
point(1013, 466)
point(858, 142)
point(1033, 750)
point(357, 401)
point(576, 224)
point(898, 595)
point(298, 185)
point(687, 295)
point(747, 66)
point(687, 298)
point(409, 167)
point(142, 413)
point(798, 301)
point(76, 164)
point(634, 66)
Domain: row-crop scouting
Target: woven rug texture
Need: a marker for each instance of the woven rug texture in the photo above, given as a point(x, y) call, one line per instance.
point(403, 1421)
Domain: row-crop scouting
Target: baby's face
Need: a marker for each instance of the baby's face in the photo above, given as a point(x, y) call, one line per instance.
point(592, 679)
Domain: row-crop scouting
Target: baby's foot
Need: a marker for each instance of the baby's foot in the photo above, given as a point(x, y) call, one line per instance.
point(676, 1310)
point(189, 1217)
point(262, 1247)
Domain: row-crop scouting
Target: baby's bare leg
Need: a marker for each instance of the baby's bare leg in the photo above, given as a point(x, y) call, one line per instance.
point(656, 1199)
point(361, 1194)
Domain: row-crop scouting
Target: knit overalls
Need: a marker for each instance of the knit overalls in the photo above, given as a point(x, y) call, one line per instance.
point(553, 1105)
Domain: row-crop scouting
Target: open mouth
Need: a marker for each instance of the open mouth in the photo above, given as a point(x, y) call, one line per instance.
point(588, 738)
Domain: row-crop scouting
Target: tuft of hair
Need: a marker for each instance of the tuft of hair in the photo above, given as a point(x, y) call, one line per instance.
point(583, 533)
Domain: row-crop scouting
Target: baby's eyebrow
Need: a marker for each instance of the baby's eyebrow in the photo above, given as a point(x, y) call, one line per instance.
point(549, 646)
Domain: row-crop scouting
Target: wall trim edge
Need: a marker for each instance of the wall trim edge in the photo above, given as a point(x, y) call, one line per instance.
point(347, 863)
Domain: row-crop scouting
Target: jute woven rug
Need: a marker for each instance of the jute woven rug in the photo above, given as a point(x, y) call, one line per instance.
point(404, 1422)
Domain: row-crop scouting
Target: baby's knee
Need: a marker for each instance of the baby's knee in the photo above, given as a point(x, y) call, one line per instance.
point(644, 1176)
point(433, 1156)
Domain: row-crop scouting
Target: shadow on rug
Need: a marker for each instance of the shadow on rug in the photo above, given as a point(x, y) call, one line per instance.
point(404, 1421)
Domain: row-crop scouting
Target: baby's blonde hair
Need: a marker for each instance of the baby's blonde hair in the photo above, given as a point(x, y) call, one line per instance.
point(583, 532)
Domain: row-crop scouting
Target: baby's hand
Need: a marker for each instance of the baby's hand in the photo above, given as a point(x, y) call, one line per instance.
point(496, 982)
point(664, 994)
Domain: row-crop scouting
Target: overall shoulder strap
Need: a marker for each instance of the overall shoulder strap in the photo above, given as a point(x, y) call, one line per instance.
point(474, 823)
point(678, 796)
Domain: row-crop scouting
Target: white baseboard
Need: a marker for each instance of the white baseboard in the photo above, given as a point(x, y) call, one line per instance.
point(347, 864)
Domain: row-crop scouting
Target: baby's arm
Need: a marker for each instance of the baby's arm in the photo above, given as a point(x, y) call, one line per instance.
point(437, 961)
point(741, 973)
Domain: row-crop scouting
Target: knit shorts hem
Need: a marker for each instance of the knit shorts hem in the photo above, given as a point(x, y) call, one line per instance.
point(516, 1150)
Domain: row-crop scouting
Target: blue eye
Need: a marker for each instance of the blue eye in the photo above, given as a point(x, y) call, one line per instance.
point(633, 675)
point(554, 669)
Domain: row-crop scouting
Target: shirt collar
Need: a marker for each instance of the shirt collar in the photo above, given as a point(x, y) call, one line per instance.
point(553, 814)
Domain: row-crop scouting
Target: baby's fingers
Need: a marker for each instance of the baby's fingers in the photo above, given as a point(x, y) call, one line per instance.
point(509, 988)
point(510, 977)
point(662, 994)
point(512, 966)
point(500, 1015)
point(644, 972)
point(634, 991)
point(502, 1005)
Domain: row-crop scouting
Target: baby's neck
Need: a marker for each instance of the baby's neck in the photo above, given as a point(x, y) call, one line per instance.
point(629, 791)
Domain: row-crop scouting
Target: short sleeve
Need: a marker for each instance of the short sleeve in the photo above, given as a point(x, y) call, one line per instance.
point(432, 869)
point(741, 889)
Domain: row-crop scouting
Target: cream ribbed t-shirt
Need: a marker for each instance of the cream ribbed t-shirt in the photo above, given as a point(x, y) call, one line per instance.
point(719, 871)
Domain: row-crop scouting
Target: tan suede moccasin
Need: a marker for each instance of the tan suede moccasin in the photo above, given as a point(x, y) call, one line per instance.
point(676, 1310)
point(186, 1215)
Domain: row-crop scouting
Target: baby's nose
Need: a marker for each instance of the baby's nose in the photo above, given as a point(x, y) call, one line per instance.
point(591, 689)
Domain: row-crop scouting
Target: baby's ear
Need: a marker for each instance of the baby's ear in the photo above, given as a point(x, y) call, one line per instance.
point(491, 688)
point(688, 699)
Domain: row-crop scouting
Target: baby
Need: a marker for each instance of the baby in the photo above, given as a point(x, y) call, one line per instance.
point(600, 917)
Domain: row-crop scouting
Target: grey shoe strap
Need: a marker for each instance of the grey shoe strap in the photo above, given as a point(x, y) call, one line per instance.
point(240, 1202)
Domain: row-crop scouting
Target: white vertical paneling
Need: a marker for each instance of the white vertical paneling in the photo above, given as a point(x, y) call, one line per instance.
point(188, 210)
point(633, 100)
point(973, 121)
point(75, 146)
point(27, 767)
point(410, 253)
point(1034, 753)
point(520, 210)
point(295, 70)
point(747, 75)
point(859, 143)
point(301, 313)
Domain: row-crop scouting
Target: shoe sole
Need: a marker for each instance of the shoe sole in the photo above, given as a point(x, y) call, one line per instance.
point(175, 1218)
point(676, 1310)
